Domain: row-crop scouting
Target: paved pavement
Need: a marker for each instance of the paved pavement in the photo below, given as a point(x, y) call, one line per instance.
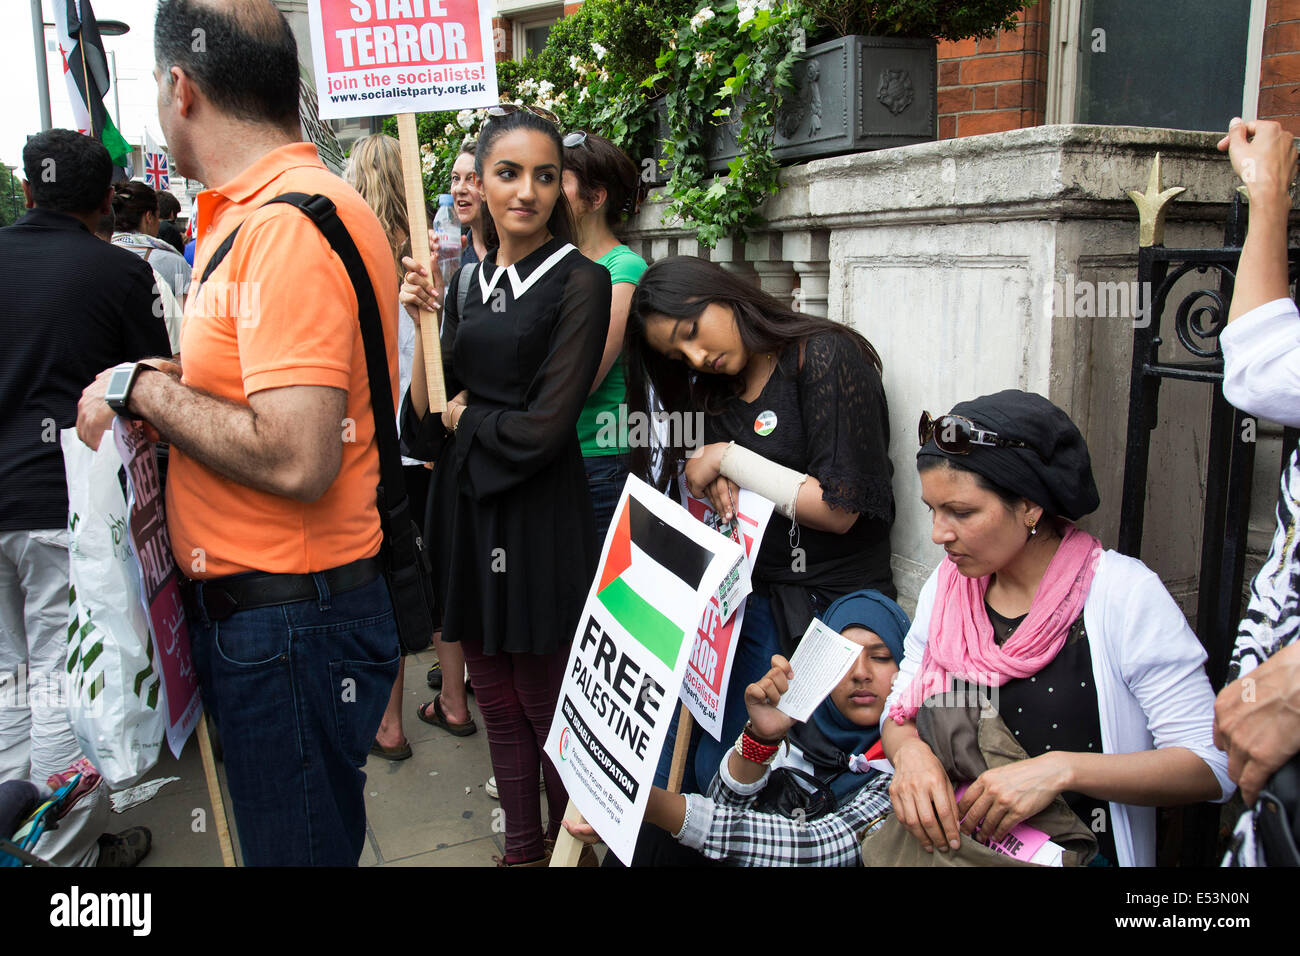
point(430, 810)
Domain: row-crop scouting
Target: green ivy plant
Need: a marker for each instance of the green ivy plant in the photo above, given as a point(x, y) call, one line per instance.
point(733, 63)
point(590, 74)
point(728, 65)
point(941, 19)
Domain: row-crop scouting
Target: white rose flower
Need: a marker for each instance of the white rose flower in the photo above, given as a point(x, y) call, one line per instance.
point(704, 58)
point(763, 4)
point(545, 87)
point(583, 94)
point(744, 13)
point(450, 128)
point(701, 18)
point(574, 63)
point(599, 50)
point(465, 119)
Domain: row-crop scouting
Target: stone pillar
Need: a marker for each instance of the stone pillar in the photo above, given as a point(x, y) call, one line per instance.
point(775, 276)
point(730, 254)
point(660, 248)
point(810, 252)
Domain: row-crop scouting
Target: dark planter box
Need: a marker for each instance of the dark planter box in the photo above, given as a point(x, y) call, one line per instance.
point(854, 94)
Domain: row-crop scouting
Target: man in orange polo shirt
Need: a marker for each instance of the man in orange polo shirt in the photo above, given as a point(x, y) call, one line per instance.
point(274, 464)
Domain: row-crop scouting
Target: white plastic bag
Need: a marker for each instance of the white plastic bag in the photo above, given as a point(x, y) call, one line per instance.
point(114, 689)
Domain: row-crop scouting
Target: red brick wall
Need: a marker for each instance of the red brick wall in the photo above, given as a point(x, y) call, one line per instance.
point(1279, 75)
point(506, 41)
point(572, 8)
point(988, 86)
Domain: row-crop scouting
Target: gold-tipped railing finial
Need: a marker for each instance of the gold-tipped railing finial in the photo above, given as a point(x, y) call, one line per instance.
point(1152, 206)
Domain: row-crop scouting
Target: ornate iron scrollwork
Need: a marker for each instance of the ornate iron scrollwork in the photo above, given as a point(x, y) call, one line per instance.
point(896, 91)
point(1194, 323)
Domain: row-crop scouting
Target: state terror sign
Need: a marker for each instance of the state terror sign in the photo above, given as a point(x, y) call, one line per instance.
point(658, 570)
point(376, 57)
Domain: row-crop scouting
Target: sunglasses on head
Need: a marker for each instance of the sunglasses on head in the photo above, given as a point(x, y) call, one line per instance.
point(505, 109)
point(956, 435)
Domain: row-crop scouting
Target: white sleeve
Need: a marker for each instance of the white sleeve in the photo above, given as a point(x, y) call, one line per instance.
point(914, 644)
point(1261, 362)
point(1162, 663)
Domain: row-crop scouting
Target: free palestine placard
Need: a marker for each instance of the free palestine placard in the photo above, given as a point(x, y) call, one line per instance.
point(657, 572)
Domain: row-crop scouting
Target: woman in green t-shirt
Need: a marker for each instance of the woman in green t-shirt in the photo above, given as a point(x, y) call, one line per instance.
point(602, 185)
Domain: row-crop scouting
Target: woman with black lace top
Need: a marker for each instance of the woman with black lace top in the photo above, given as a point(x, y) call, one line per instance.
point(794, 409)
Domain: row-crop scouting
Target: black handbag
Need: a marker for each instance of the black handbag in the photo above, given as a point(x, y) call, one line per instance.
point(796, 794)
point(1277, 817)
point(407, 568)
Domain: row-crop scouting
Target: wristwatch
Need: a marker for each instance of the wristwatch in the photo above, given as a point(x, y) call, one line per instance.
point(120, 384)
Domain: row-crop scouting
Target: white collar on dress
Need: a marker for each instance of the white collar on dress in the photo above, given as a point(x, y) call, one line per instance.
point(520, 286)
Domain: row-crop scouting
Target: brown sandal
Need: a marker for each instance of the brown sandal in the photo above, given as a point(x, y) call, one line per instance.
point(439, 719)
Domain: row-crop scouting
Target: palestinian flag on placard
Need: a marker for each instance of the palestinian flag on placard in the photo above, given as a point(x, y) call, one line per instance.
point(85, 68)
point(650, 579)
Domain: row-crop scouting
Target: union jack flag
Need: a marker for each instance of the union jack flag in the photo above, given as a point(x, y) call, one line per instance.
point(155, 170)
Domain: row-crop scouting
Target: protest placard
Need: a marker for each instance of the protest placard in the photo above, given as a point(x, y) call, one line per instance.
point(378, 57)
point(704, 690)
point(657, 572)
point(159, 582)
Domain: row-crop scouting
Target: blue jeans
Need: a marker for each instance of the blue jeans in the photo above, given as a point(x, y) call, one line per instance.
point(606, 475)
point(297, 691)
point(758, 642)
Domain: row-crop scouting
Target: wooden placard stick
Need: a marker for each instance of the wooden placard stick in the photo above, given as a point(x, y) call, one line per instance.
point(567, 846)
point(417, 220)
point(677, 770)
point(214, 793)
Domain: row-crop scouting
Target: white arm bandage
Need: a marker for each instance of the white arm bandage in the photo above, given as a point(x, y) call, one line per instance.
point(774, 482)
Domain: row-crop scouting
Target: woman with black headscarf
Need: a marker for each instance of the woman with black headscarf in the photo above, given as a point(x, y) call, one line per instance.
point(793, 794)
point(1083, 652)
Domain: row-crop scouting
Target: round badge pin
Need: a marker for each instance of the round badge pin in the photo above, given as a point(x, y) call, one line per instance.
point(765, 423)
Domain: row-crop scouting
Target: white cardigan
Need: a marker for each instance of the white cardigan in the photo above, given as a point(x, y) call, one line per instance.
point(1152, 691)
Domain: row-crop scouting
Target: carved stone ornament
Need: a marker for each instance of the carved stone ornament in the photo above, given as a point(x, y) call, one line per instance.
point(808, 100)
point(896, 91)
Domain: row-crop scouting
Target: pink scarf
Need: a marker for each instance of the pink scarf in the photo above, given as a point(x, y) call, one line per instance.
point(961, 640)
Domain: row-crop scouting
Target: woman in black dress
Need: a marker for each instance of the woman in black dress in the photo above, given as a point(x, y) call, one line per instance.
point(510, 518)
point(801, 397)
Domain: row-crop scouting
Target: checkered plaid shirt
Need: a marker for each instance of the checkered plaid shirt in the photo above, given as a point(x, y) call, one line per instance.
point(723, 825)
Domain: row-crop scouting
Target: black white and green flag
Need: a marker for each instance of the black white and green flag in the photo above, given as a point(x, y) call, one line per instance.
point(85, 68)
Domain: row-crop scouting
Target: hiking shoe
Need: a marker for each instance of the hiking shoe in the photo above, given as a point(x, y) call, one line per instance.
point(126, 848)
point(434, 677)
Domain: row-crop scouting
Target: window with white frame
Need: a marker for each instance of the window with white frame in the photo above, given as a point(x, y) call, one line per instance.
point(1178, 64)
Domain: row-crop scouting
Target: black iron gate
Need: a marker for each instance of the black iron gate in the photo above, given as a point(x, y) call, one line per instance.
point(1198, 319)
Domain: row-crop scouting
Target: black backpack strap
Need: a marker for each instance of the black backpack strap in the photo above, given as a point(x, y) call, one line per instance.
point(220, 254)
point(321, 211)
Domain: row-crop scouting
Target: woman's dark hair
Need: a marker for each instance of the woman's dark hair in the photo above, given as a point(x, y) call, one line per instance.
point(1009, 498)
point(682, 287)
point(130, 203)
point(169, 207)
point(561, 221)
point(599, 164)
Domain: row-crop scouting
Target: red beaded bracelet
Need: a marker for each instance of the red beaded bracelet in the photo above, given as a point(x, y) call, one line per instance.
point(750, 749)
